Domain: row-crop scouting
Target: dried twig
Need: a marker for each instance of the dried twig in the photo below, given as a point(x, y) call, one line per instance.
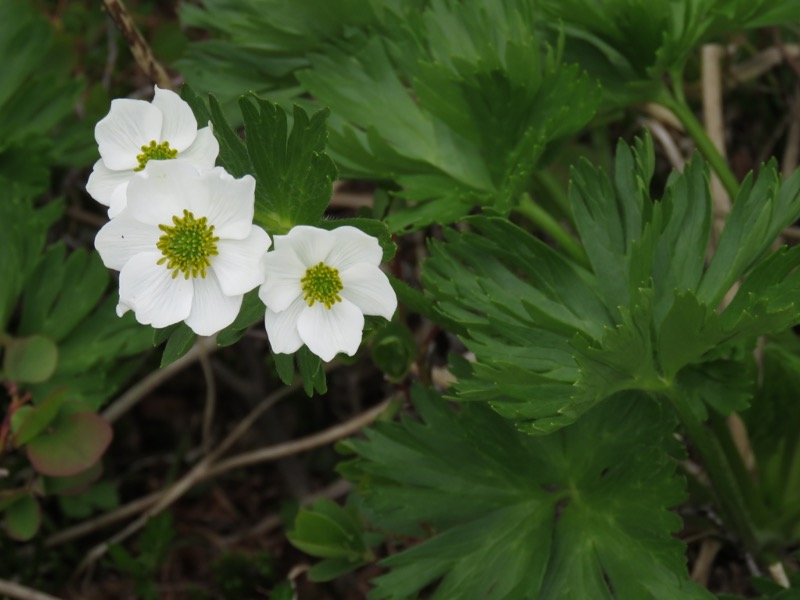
point(714, 122)
point(139, 47)
point(211, 399)
point(15, 590)
point(132, 397)
point(207, 468)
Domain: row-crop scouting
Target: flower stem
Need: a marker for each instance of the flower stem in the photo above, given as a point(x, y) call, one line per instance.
point(678, 106)
point(549, 225)
point(732, 488)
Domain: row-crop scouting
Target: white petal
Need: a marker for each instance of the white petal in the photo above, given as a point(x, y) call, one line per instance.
point(129, 125)
point(212, 310)
point(328, 331)
point(179, 126)
point(119, 200)
point(352, 246)
point(150, 291)
point(282, 281)
point(238, 264)
point(103, 182)
point(228, 203)
point(282, 328)
point(369, 289)
point(163, 190)
point(311, 244)
point(122, 238)
point(203, 152)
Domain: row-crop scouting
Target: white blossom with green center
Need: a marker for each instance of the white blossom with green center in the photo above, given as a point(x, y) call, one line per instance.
point(318, 286)
point(321, 283)
point(185, 246)
point(137, 133)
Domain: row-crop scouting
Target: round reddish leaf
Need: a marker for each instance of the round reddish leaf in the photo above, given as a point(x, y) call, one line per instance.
point(74, 445)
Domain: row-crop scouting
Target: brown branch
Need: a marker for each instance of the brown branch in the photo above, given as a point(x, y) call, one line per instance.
point(15, 590)
point(140, 49)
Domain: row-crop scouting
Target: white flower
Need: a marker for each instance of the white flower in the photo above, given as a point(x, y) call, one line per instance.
point(135, 132)
point(185, 246)
point(319, 285)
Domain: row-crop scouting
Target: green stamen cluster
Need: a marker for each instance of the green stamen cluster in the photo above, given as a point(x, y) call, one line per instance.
point(322, 283)
point(187, 245)
point(154, 151)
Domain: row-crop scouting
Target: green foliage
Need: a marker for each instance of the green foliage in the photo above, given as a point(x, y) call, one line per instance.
point(30, 359)
point(394, 350)
point(62, 298)
point(629, 45)
point(259, 44)
point(772, 426)
point(581, 513)
point(486, 97)
point(24, 231)
point(37, 91)
point(294, 175)
point(154, 543)
point(102, 496)
point(334, 533)
point(238, 575)
point(552, 339)
point(23, 518)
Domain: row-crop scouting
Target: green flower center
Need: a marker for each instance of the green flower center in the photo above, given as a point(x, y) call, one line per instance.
point(322, 283)
point(187, 245)
point(153, 151)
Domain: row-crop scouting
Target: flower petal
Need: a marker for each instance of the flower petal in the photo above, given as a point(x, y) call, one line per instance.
point(129, 125)
point(203, 152)
point(369, 289)
point(150, 291)
point(282, 282)
point(352, 246)
point(238, 265)
point(179, 126)
point(212, 310)
point(103, 181)
point(282, 328)
point(122, 238)
point(119, 200)
point(311, 244)
point(163, 190)
point(228, 203)
point(328, 331)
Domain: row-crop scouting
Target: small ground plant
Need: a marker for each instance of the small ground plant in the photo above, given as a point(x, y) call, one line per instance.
point(531, 265)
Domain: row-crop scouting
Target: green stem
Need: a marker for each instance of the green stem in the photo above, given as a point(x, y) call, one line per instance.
point(704, 143)
point(732, 488)
point(547, 223)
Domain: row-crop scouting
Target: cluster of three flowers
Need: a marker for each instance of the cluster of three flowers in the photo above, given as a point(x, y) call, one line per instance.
point(182, 237)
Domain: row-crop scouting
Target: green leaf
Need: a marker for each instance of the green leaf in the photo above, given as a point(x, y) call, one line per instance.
point(284, 364)
point(476, 97)
point(294, 175)
point(251, 312)
point(581, 513)
point(36, 419)
point(75, 444)
point(179, 343)
point(23, 518)
point(646, 310)
point(62, 292)
point(327, 530)
point(393, 350)
point(31, 359)
point(311, 371)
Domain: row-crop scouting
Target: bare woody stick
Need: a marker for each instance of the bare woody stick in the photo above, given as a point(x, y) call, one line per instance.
point(141, 50)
